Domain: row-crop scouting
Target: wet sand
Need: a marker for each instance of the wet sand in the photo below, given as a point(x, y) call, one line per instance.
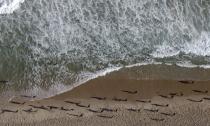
point(115, 102)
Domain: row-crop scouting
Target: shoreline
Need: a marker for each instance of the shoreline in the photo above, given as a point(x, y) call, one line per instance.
point(143, 72)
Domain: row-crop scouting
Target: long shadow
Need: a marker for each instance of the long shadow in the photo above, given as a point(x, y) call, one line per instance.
point(176, 94)
point(168, 114)
point(186, 82)
point(76, 115)
point(192, 100)
point(166, 96)
point(72, 102)
point(40, 107)
point(108, 110)
point(52, 107)
point(7, 110)
point(157, 119)
point(95, 111)
point(206, 98)
point(65, 109)
point(134, 110)
point(17, 103)
point(99, 98)
point(161, 105)
point(30, 110)
point(27, 96)
point(119, 99)
point(129, 92)
point(144, 101)
point(83, 106)
point(199, 91)
point(104, 116)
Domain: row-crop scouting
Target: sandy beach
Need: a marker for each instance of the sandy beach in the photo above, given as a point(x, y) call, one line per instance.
point(115, 102)
point(104, 62)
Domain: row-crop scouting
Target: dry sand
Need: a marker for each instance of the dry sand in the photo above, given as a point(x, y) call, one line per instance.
point(173, 111)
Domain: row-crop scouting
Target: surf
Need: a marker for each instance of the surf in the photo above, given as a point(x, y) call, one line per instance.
point(55, 44)
point(9, 6)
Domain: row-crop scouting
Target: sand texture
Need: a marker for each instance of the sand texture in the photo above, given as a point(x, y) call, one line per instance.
point(115, 102)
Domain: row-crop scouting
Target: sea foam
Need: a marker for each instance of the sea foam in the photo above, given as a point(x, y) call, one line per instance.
point(9, 6)
point(200, 46)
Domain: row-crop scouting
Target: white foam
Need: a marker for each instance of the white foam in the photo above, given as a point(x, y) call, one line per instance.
point(169, 64)
point(90, 76)
point(165, 50)
point(9, 6)
point(143, 64)
point(190, 65)
point(205, 66)
point(186, 64)
point(199, 47)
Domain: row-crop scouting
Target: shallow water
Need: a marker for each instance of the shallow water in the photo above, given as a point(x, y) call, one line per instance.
point(157, 72)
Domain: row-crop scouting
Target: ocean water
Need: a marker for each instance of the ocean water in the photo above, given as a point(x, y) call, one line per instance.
point(53, 44)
